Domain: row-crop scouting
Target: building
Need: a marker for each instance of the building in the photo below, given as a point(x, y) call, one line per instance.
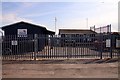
point(24, 29)
point(76, 36)
point(21, 36)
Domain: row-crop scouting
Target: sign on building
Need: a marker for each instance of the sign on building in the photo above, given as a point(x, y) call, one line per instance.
point(117, 43)
point(22, 32)
point(14, 43)
point(108, 43)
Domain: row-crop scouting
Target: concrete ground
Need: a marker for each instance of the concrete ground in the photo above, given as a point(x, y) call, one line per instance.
point(40, 70)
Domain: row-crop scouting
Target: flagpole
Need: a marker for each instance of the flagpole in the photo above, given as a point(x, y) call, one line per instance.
point(55, 24)
point(87, 22)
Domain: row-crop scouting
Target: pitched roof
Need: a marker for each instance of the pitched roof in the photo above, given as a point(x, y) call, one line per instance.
point(75, 31)
point(21, 22)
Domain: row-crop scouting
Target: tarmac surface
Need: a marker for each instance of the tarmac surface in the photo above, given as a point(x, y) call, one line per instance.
point(69, 68)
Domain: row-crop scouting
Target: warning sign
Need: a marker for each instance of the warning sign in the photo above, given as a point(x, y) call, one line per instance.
point(14, 42)
point(108, 43)
point(22, 32)
point(117, 43)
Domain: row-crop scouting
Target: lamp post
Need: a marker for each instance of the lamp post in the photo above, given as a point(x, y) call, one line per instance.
point(55, 24)
point(87, 22)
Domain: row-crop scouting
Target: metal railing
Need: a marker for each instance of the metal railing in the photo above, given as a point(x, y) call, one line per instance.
point(35, 47)
point(103, 29)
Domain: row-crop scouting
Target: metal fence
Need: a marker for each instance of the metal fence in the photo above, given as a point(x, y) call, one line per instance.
point(36, 47)
point(103, 29)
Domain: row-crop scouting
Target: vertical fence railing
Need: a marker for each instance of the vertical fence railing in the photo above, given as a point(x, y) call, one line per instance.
point(101, 45)
point(111, 40)
point(53, 47)
point(116, 45)
point(35, 45)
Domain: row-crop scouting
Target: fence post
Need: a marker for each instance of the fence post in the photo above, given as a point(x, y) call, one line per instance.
point(101, 45)
point(110, 45)
point(110, 41)
point(69, 50)
point(35, 45)
point(1, 39)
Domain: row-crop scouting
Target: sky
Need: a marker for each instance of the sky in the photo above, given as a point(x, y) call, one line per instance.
point(69, 14)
